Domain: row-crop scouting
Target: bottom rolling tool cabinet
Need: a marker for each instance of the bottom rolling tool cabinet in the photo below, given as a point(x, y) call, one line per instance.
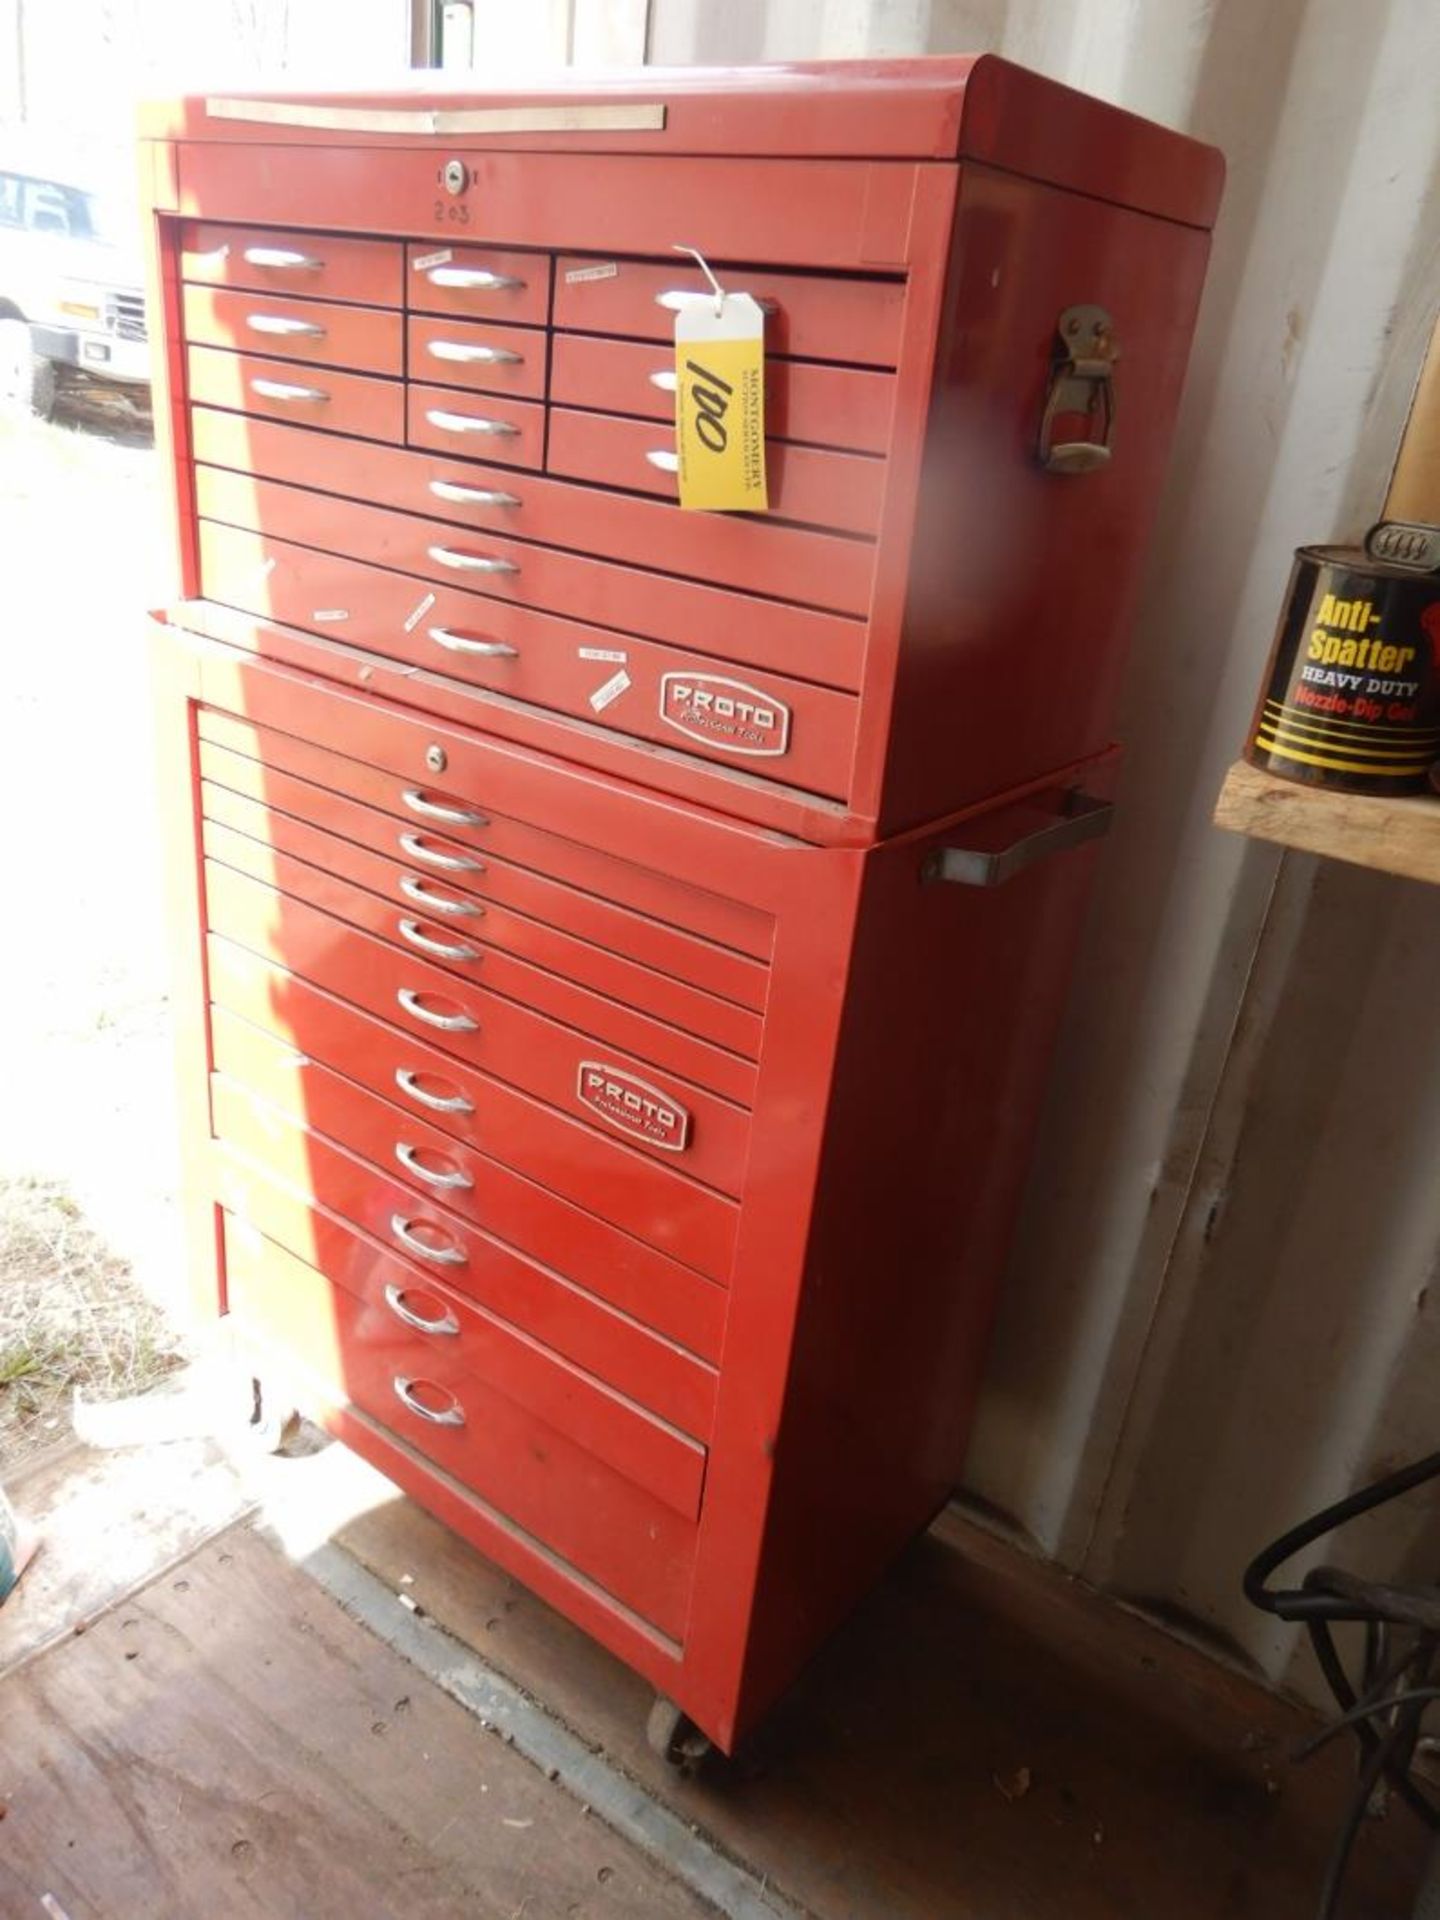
point(628, 1182)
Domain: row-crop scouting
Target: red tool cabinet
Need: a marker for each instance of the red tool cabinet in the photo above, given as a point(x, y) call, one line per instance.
point(620, 945)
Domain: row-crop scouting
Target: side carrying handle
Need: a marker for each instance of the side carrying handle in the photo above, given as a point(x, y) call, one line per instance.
point(1081, 383)
point(1084, 818)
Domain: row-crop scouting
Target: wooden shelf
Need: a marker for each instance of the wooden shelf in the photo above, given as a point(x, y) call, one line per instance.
point(1393, 836)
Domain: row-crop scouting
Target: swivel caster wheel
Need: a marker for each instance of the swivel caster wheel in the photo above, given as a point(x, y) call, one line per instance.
point(674, 1736)
point(275, 1424)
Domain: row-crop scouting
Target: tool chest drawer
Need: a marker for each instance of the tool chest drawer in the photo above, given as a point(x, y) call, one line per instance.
point(480, 355)
point(328, 397)
point(322, 333)
point(620, 943)
point(311, 266)
point(827, 406)
point(575, 1505)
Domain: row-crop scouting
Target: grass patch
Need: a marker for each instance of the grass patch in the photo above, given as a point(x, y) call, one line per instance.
point(71, 1315)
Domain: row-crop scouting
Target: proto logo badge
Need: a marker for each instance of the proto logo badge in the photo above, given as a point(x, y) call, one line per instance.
point(725, 713)
point(633, 1105)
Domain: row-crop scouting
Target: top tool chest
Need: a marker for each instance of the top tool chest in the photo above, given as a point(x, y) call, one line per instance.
point(620, 942)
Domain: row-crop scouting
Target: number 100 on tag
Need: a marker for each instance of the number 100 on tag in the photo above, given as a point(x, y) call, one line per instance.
point(720, 405)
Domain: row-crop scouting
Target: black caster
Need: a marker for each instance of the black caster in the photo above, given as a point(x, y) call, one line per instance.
point(677, 1740)
point(276, 1424)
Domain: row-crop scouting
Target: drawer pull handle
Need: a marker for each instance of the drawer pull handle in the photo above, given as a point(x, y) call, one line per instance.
point(283, 390)
point(461, 1022)
point(286, 258)
point(470, 562)
point(449, 422)
point(406, 1081)
point(474, 279)
point(462, 643)
point(665, 380)
point(676, 299)
point(433, 810)
point(443, 1256)
point(451, 1416)
point(412, 844)
point(665, 458)
point(395, 1300)
point(284, 326)
point(464, 353)
point(472, 496)
point(423, 896)
point(440, 949)
point(457, 1177)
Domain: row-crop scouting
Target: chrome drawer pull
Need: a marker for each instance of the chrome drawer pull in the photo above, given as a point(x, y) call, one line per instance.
point(404, 1232)
point(665, 458)
point(283, 257)
point(475, 279)
point(432, 810)
point(412, 844)
point(677, 298)
point(472, 496)
point(395, 1300)
point(448, 1022)
point(665, 380)
point(462, 643)
point(407, 1157)
point(466, 422)
point(440, 949)
point(417, 891)
point(464, 354)
point(453, 1416)
point(406, 1081)
point(470, 562)
point(282, 390)
point(279, 323)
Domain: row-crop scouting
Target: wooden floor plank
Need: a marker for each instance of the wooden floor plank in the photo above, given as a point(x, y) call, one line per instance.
point(986, 1741)
point(228, 1742)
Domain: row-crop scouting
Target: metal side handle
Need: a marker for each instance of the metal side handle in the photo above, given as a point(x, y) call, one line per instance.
point(395, 1300)
point(451, 1416)
point(1085, 818)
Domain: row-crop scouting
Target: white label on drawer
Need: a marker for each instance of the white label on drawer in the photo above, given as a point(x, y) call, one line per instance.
point(603, 653)
point(420, 612)
point(441, 257)
point(633, 1106)
point(323, 614)
point(612, 690)
point(725, 713)
point(606, 272)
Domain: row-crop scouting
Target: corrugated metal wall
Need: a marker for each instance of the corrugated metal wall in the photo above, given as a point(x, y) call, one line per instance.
point(1219, 1314)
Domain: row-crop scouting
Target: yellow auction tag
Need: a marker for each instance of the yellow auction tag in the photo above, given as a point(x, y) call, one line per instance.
point(720, 403)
